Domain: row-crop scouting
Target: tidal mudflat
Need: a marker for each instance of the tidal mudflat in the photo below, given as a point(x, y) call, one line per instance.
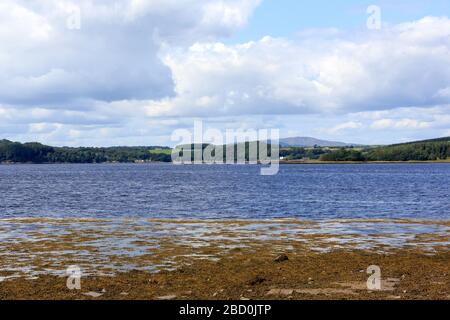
point(224, 259)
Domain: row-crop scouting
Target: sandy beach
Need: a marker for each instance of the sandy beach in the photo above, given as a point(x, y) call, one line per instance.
point(187, 259)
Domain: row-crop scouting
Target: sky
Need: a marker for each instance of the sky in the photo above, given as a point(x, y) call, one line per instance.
point(285, 18)
point(131, 72)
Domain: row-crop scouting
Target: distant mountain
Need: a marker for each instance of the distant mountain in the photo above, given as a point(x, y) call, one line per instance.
point(311, 142)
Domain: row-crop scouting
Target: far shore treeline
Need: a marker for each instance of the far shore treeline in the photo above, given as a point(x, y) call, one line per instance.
point(428, 150)
point(16, 152)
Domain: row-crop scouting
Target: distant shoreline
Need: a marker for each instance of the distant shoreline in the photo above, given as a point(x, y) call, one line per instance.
point(60, 163)
point(290, 162)
point(365, 162)
point(428, 151)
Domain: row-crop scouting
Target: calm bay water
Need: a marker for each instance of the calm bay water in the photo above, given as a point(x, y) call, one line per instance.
point(419, 191)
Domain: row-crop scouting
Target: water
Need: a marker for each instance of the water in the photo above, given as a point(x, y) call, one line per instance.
point(316, 192)
point(114, 216)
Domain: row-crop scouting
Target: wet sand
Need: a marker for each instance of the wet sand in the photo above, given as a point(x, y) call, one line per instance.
point(162, 259)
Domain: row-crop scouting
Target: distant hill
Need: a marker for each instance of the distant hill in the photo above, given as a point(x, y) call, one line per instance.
point(426, 150)
point(311, 142)
point(444, 139)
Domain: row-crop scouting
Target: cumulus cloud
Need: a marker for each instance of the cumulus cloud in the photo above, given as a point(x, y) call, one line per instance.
point(346, 126)
point(112, 56)
point(402, 66)
point(400, 124)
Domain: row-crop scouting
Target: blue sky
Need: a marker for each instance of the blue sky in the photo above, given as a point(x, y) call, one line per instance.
point(125, 72)
point(285, 18)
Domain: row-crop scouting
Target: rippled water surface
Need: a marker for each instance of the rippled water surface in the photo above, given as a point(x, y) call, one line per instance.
point(417, 191)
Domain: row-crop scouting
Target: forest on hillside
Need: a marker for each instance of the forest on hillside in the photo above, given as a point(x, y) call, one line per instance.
point(38, 153)
point(430, 150)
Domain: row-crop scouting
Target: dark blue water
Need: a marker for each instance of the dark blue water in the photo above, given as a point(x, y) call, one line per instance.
point(420, 191)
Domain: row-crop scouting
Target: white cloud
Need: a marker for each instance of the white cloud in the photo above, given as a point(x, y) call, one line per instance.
point(404, 66)
point(379, 127)
point(400, 124)
point(445, 92)
point(382, 124)
point(113, 56)
point(43, 127)
point(138, 68)
point(345, 126)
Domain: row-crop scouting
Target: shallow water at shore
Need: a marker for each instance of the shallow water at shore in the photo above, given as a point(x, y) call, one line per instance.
point(189, 259)
point(30, 247)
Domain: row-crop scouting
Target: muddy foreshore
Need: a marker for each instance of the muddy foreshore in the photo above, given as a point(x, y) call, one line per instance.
point(162, 259)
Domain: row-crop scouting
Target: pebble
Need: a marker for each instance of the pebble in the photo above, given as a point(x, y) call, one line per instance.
point(93, 294)
point(280, 292)
point(169, 297)
point(256, 280)
point(281, 258)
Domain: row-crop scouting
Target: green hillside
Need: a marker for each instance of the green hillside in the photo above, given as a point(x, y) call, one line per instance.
point(427, 150)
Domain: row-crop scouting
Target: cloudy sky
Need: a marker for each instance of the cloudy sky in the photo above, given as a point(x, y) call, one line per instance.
point(130, 72)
